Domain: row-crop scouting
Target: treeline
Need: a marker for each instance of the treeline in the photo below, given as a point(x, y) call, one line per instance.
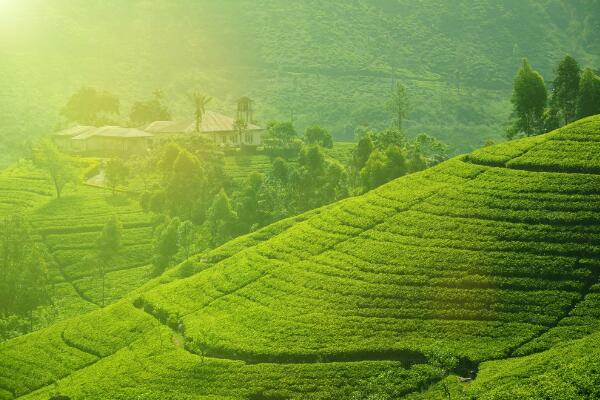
point(197, 205)
point(574, 94)
point(90, 106)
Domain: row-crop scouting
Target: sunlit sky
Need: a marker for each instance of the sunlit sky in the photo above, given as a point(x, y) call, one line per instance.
point(16, 20)
point(10, 10)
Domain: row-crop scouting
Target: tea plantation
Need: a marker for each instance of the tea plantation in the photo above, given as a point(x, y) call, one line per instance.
point(69, 228)
point(485, 267)
point(240, 166)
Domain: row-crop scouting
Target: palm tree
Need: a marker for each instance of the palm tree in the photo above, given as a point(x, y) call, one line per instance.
point(200, 101)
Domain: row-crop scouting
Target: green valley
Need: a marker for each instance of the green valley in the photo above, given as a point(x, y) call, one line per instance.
point(276, 200)
point(484, 265)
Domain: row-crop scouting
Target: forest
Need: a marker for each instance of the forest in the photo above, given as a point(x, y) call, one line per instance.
point(265, 200)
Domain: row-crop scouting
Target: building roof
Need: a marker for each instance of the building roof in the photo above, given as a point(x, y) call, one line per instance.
point(112, 131)
point(74, 131)
point(212, 122)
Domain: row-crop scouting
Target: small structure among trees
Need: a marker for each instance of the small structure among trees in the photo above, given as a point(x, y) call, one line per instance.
point(97, 133)
point(105, 140)
point(223, 130)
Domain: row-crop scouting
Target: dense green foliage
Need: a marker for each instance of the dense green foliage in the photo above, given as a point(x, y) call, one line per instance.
point(455, 270)
point(307, 267)
point(88, 106)
point(81, 275)
point(23, 273)
point(144, 112)
point(575, 94)
point(588, 101)
point(329, 62)
point(529, 100)
point(566, 89)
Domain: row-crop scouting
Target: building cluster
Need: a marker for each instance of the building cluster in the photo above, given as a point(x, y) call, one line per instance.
point(222, 129)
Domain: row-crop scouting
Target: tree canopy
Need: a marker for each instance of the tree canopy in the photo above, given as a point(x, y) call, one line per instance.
point(588, 100)
point(143, 112)
point(58, 166)
point(566, 88)
point(23, 271)
point(529, 101)
point(89, 106)
point(315, 134)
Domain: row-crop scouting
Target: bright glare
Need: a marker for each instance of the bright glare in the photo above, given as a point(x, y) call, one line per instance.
point(8, 8)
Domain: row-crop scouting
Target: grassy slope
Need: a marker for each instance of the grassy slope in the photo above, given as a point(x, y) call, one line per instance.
point(70, 227)
point(485, 257)
point(331, 62)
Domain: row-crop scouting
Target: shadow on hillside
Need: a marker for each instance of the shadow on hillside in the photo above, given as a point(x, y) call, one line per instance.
point(117, 200)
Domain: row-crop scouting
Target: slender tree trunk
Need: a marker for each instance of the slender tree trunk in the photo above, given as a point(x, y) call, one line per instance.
point(56, 187)
point(102, 276)
point(399, 117)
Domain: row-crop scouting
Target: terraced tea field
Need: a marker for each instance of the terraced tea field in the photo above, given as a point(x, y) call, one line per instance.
point(486, 266)
point(69, 227)
point(242, 165)
point(21, 188)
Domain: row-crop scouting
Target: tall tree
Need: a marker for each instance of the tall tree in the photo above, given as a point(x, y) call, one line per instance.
point(166, 245)
point(529, 101)
point(247, 202)
point(396, 162)
point(336, 182)
point(186, 185)
point(375, 171)
point(389, 137)
point(311, 177)
point(588, 100)
point(399, 105)
point(144, 112)
point(317, 135)
point(280, 171)
point(170, 152)
point(108, 246)
point(56, 164)
point(23, 273)
point(116, 173)
point(431, 149)
point(200, 101)
point(282, 133)
point(89, 106)
point(362, 151)
point(565, 89)
point(187, 235)
point(221, 219)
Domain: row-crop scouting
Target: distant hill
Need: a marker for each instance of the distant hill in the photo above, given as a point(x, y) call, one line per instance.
point(486, 266)
point(330, 62)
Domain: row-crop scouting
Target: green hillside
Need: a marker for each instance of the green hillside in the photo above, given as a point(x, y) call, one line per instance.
point(330, 63)
point(486, 265)
point(69, 228)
